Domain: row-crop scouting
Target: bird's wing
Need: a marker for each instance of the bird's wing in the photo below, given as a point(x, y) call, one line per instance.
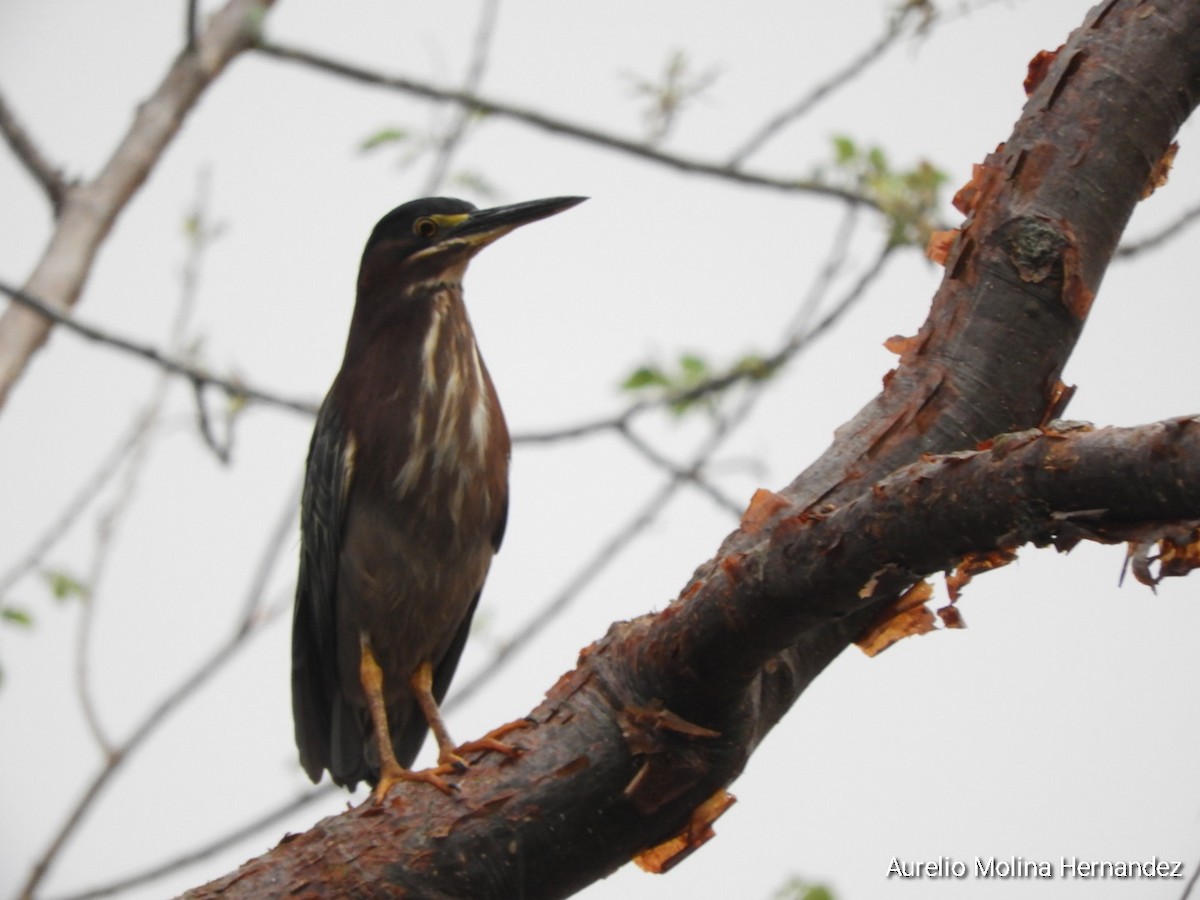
point(501, 523)
point(314, 638)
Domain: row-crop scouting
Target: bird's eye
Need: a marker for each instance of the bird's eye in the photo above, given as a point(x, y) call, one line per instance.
point(425, 227)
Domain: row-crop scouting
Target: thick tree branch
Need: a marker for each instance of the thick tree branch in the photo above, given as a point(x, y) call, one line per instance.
point(605, 758)
point(89, 209)
point(663, 712)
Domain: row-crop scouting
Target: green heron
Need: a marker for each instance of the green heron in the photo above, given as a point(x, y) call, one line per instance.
point(405, 501)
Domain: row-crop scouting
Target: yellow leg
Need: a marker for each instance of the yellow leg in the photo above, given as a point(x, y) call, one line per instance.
point(422, 685)
point(450, 757)
point(390, 770)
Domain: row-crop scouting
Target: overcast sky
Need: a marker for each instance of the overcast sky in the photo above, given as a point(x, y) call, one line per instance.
point(1063, 722)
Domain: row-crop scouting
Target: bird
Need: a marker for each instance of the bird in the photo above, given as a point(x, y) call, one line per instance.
point(404, 504)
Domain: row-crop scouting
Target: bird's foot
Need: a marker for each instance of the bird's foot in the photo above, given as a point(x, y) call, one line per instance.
point(389, 776)
point(491, 742)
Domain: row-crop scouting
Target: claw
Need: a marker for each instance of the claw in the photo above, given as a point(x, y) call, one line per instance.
point(492, 743)
point(390, 776)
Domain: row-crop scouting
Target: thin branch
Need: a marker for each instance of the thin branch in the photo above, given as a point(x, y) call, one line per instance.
point(107, 525)
point(839, 79)
point(173, 701)
point(190, 24)
point(1155, 240)
point(1187, 891)
point(109, 521)
point(49, 178)
point(168, 867)
point(601, 559)
point(233, 388)
point(796, 342)
point(254, 617)
point(84, 495)
point(560, 126)
point(691, 474)
point(253, 610)
point(450, 141)
point(222, 448)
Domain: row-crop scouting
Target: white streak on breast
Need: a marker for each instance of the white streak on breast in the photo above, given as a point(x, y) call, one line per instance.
point(429, 348)
point(348, 453)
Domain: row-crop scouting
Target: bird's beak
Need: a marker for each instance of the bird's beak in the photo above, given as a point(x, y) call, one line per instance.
point(482, 226)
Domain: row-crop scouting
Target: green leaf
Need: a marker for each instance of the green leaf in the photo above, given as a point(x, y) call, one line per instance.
point(693, 367)
point(475, 182)
point(693, 382)
point(797, 888)
point(877, 160)
point(16, 616)
point(844, 149)
point(755, 367)
point(908, 198)
point(64, 586)
point(382, 138)
point(645, 377)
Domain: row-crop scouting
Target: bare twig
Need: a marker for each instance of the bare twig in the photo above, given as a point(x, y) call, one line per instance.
point(670, 94)
point(255, 619)
point(191, 24)
point(449, 142)
point(1187, 890)
point(692, 474)
point(839, 79)
point(222, 448)
point(253, 609)
point(233, 388)
point(86, 493)
point(1168, 232)
point(561, 126)
point(255, 615)
point(106, 529)
point(199, 235)
point(26, 151)
point(168, 867)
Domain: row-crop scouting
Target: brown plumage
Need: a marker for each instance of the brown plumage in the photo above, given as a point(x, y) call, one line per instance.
point(405, 499)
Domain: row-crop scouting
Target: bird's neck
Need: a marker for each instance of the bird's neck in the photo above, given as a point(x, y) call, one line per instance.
point(417, 375)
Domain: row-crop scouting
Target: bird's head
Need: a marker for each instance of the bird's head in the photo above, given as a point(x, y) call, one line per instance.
point(432, 240)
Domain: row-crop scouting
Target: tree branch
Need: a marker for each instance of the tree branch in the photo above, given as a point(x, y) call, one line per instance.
point(167, 867)
point(1168, 232)
point(234, 389)
point(839, 79)
point(604, 755)
point(449, 142)
point(253, 620)
point(89, 210)
point(661, 714)
point(49, 178)
point(559, 126)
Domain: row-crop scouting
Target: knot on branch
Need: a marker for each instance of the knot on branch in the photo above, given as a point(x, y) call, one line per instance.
point(1035, 247)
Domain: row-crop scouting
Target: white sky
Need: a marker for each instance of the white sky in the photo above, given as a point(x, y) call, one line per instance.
point(1063, 722)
